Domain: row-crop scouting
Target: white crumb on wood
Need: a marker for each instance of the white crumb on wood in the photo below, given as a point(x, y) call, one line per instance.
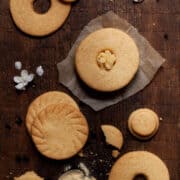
point(18, 65)
point(39, 71)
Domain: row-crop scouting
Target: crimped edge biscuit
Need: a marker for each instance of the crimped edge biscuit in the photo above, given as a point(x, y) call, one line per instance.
point(41, 100)
point(39, 138)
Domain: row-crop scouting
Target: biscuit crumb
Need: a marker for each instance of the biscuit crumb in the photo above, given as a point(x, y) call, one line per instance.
point(81, 154)
point(106, 59)
point(115, 153)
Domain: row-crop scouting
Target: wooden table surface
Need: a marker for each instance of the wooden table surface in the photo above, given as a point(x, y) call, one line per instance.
point(157, 20)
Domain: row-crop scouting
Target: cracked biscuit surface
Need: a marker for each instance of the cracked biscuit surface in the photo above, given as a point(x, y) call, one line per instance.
point(60, 131)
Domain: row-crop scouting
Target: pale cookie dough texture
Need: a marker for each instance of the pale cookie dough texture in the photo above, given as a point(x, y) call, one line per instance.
point(37, 24)
point(41, 102)
point(139, 163)
point(113, 136)
point(60, 131)
point(30, 175)
point(143, 123)
point(107, 59)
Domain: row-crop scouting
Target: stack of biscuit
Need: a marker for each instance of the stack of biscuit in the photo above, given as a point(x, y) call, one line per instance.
point(56, 125)
point(143, 123)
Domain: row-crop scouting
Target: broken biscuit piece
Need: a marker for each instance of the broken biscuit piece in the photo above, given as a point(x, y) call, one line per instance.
point(30, 175)
point(113, 136)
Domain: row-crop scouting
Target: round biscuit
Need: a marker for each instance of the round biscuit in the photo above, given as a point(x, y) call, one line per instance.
point(136, 163)
point(36, 24)
point(143, 123)
point(42, 101)
point(60, 131)
point(123, 48)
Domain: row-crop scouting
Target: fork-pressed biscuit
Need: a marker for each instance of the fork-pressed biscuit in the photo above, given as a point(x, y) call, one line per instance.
point(42, 101)
point(60, 131)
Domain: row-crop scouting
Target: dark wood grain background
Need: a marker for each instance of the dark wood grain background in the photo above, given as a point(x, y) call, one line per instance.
point(157, 20)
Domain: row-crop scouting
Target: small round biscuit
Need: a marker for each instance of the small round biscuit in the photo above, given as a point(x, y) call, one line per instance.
point(113, 136)
point(42, 101)
point(143, 123)
point(30, 175)
point(35, 24)
point(60, 131)
point(137, 163)
point(107, 59)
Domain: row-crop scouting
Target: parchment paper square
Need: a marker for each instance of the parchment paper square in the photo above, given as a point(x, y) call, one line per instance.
point(150, 62)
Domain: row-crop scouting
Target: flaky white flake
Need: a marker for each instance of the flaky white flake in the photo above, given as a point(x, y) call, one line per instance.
point(18, 65)
point(39, 71)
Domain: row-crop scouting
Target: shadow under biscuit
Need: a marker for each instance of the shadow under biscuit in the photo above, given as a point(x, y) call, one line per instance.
point(103, 95)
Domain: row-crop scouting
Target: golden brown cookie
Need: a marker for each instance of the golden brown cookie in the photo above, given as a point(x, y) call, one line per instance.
point(36, 24)
point(42, 101)
point(143, 123)
point(30, 175)
point(139, 163)
point(113, 136)
point(107, 59)
point(60, 131)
